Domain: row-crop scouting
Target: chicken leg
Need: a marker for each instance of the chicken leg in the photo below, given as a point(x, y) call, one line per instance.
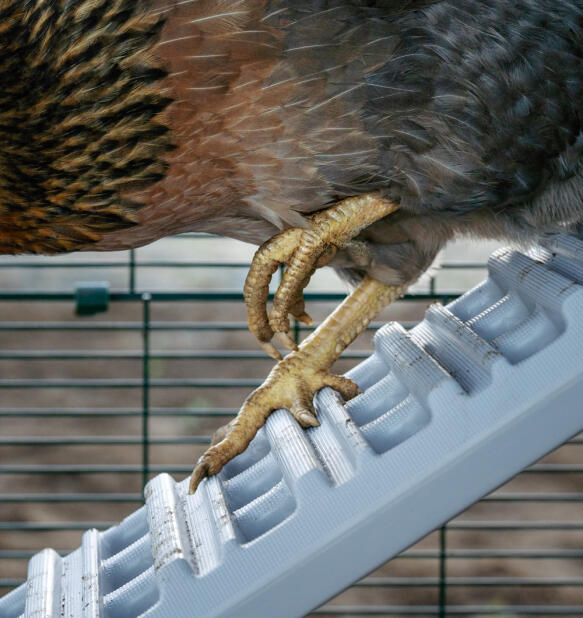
point(293, 382)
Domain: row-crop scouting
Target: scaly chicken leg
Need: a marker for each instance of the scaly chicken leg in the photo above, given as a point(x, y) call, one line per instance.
point(293, 382)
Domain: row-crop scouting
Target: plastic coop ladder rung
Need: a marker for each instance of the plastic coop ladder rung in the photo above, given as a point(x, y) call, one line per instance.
point(451, 410)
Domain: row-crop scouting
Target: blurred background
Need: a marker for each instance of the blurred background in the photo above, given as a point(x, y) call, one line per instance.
point(92, 406)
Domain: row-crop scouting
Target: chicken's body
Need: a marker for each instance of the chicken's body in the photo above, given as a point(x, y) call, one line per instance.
point(232, 116)
point(123, 121)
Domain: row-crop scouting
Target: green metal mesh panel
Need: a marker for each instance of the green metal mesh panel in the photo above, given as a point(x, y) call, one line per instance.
point(92, 406)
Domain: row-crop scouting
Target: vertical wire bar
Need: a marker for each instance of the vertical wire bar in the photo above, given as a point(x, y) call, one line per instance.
point(146, 298)
point(442, 572)
point(132, 272)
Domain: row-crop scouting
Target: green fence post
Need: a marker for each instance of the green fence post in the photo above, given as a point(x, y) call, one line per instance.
point(146, 298)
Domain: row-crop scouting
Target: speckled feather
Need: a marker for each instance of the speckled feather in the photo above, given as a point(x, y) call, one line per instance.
point(76, 132)
point(243, 115)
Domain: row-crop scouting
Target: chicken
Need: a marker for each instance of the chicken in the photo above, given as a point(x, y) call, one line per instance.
point(361, 134)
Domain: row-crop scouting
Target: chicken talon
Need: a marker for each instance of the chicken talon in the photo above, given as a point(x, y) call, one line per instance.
point(200, 472)
point(306, 419)
point(271, 350)
point(213, 461)
point(304, 318)
point(287, 341)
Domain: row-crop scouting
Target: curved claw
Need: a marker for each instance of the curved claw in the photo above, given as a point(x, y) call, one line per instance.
point(298, 309)
point(215, 458)
point(287, 341)
point(200, 472)
point(306, 419)
point(302, 409)
point(304, 318)
point(271, 350)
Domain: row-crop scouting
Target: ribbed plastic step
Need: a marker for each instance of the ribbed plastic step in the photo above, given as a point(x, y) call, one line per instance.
point(451, 410)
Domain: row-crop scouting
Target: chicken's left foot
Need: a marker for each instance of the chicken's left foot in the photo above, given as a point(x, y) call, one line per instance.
point(293, 382)
point(291, 385)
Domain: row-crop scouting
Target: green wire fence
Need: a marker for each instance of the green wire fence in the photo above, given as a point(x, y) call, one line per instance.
point(93, 406)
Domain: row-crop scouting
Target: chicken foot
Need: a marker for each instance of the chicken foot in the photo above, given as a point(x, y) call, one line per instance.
point(293, 382)
point(303, 250)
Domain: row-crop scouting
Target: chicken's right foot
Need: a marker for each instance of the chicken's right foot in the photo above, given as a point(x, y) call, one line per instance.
point(303, 250)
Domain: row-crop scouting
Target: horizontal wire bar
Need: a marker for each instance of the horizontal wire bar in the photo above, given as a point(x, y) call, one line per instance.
point(191, 264)
point(463, 582)
point(564, 526)
point(511, 554)
point(97, 440)
point(177, 468)
point(148, 264)
point(513, 525)
point(432, 582)
point(11, 583)
point(131, 383)
point(459, 554)
point(450, 610)
point(121, 296)
point(93, 468)
point(535, 497)
point(38, 355)
point(122, 412)
point(72, 497)
point(554, 469)
point(200, 295)
point(461, 265)
point(78, 497)
point(27, 554)
point(122, 326)
point(37, 526)
point(158, 326)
